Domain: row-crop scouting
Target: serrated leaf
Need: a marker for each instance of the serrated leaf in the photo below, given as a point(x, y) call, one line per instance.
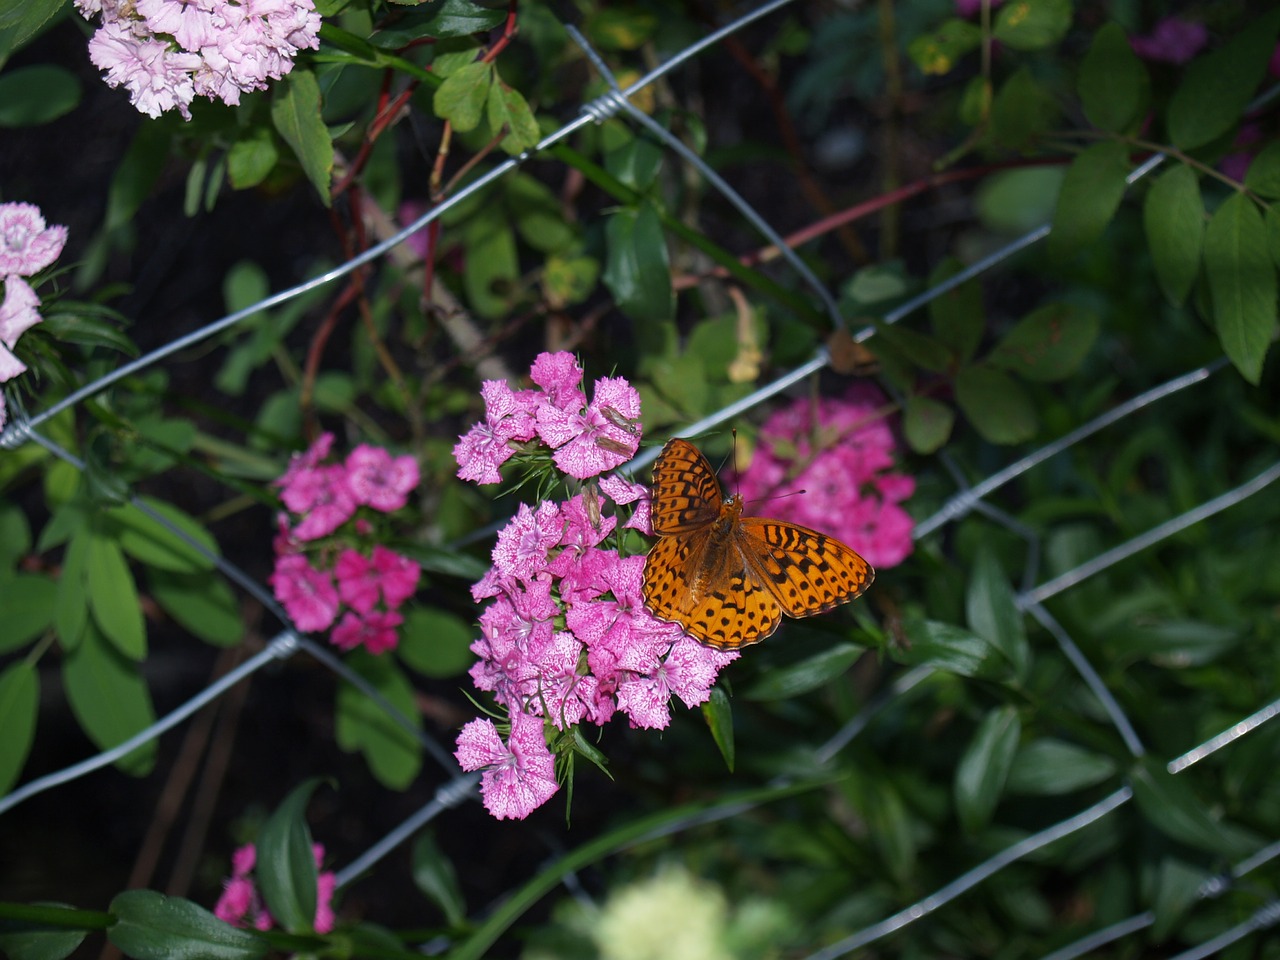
point(1113, 83)
point(508, 109)
point(992, 612)
point(295, 113)
point(719, 716)
point(462, 96)
point(150, 926)
point(393, 754)
point(1091, 193)
point(1216, 87)
point(1173, 217)
point(1050, 767)
point(984, 768)
point(19, 706)
point(1242, 281)
point(804, 675)
point(436, 643)
point(113, 598)
point(927, 423)
point(27, 606)
point(202, 604)
point(435, 876)
point(285, 865)
point(1047, 344)
point(996, 405)
point(637, 268)
point(153, 543)
point(1032, 24)
point(109, 698)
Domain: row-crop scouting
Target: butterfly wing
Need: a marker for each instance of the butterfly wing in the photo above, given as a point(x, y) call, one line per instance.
point(806, 571)
point(717, 600)
point(686, 494)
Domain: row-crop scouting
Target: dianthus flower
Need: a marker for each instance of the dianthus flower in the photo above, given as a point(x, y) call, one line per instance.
point(241, 905)
point(840, 453)
point(168, 52)
point(27, 245)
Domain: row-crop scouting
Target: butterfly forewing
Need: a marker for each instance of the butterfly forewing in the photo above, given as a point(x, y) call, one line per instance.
point(686, 493)
point(808, 572)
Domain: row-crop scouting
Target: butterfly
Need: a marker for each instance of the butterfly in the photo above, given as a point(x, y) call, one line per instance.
point(729, 579)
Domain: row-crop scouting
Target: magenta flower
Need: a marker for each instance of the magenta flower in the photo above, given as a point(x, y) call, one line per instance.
point(489, 444)
point(560, 378)
point(602, 437)
point(242, 906)
point(17, 316)
point(397, 576)
point(524, 543)
point(357, 581)
point(689, 671)
point(27, 246)
point(380, 481)
point(519, 776)
point(1172, 40)
point(376, 632)
point(324, 499)
point(308, 594)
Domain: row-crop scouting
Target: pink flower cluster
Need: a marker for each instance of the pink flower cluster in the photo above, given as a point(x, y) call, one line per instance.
point(240, 904)
point(327, 498)
point(27, 246)
point(1172, 40)
point(587, 438)
point(565, 637)
point(168, 52)
point(840, 453)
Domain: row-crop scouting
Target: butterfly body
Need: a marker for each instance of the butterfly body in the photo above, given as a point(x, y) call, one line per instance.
point(728, 579)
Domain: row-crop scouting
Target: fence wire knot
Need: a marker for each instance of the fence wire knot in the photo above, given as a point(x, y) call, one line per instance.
point(607, 105)
point(18, 430)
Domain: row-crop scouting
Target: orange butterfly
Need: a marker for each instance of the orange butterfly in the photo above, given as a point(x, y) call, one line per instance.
point(728, 579)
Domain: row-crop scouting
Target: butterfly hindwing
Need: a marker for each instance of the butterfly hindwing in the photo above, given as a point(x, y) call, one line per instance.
point(808, 572)
point(686, 494)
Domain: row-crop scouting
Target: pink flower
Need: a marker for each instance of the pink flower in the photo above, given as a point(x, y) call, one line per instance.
point(242, 906)
point(378, 480)
point(519, 776)
point(376, 632)
point(560, 378)
point(489, 444)
point(17, 315)
point(397, 576)
point(27, 246)
point(523, 544)
point(308, 594)
point(688, 671)
point(157, 78)
point(1173, 40)
point(323, 497)
point(357, 581)
point(603, 436)
point(307, 461)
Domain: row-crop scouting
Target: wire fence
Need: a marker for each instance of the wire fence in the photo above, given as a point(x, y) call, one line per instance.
point(456, 786)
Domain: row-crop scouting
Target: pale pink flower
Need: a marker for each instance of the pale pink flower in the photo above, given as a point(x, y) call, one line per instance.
point(490, 443)
point(157, 78)
point(27, 246)
point(379, 480)
point(308, 594)
point(688, 671)
point(519, 775)
point(600, 437)
point(17, 315)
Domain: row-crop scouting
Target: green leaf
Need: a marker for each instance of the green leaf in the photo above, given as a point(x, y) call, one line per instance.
point(890, 824)
point(154, 544)
point(27, 605)
point(1242, 280)
point(19, 22)
point(623, 28)
point(804, 675)
point(1032, 24)
point(462, 96)
point(202, 604)
point(295, 113)
point(19, 706)
point(151, 926)
point(33, 940)
point(937, 53)
point(508, 109)
point(1178, 886)
point(30, 96)
point(436, 643)
point(1171, 807)
point(1050, 767)
point(919, 349)
point(719, 716)
point(996, 405)
point(951, 649)
point(1272, 220)
point(109, 698)
point(567, 281)
point(435, 876)
point(539, 217)
point(927, 423)
point(1091, 193)
point(137, 174)
point(984, 768)
point(993, 613)
point(635, 162)
point(637, 270)
point(113, 598)
point(285, 865)
point(1022, 111)
point(71, 613)
point(1047, 344)
point(492, 265)
point(1113, 83)
point(1173, 215)
point(88, 331)
point(1263, 176)
point(393, 754)
point(461, 18)
point(957, 317)
point(1216, 87)
point(15, 535)
point(1179, 644)
point(1015, 201)
point(251, 159)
